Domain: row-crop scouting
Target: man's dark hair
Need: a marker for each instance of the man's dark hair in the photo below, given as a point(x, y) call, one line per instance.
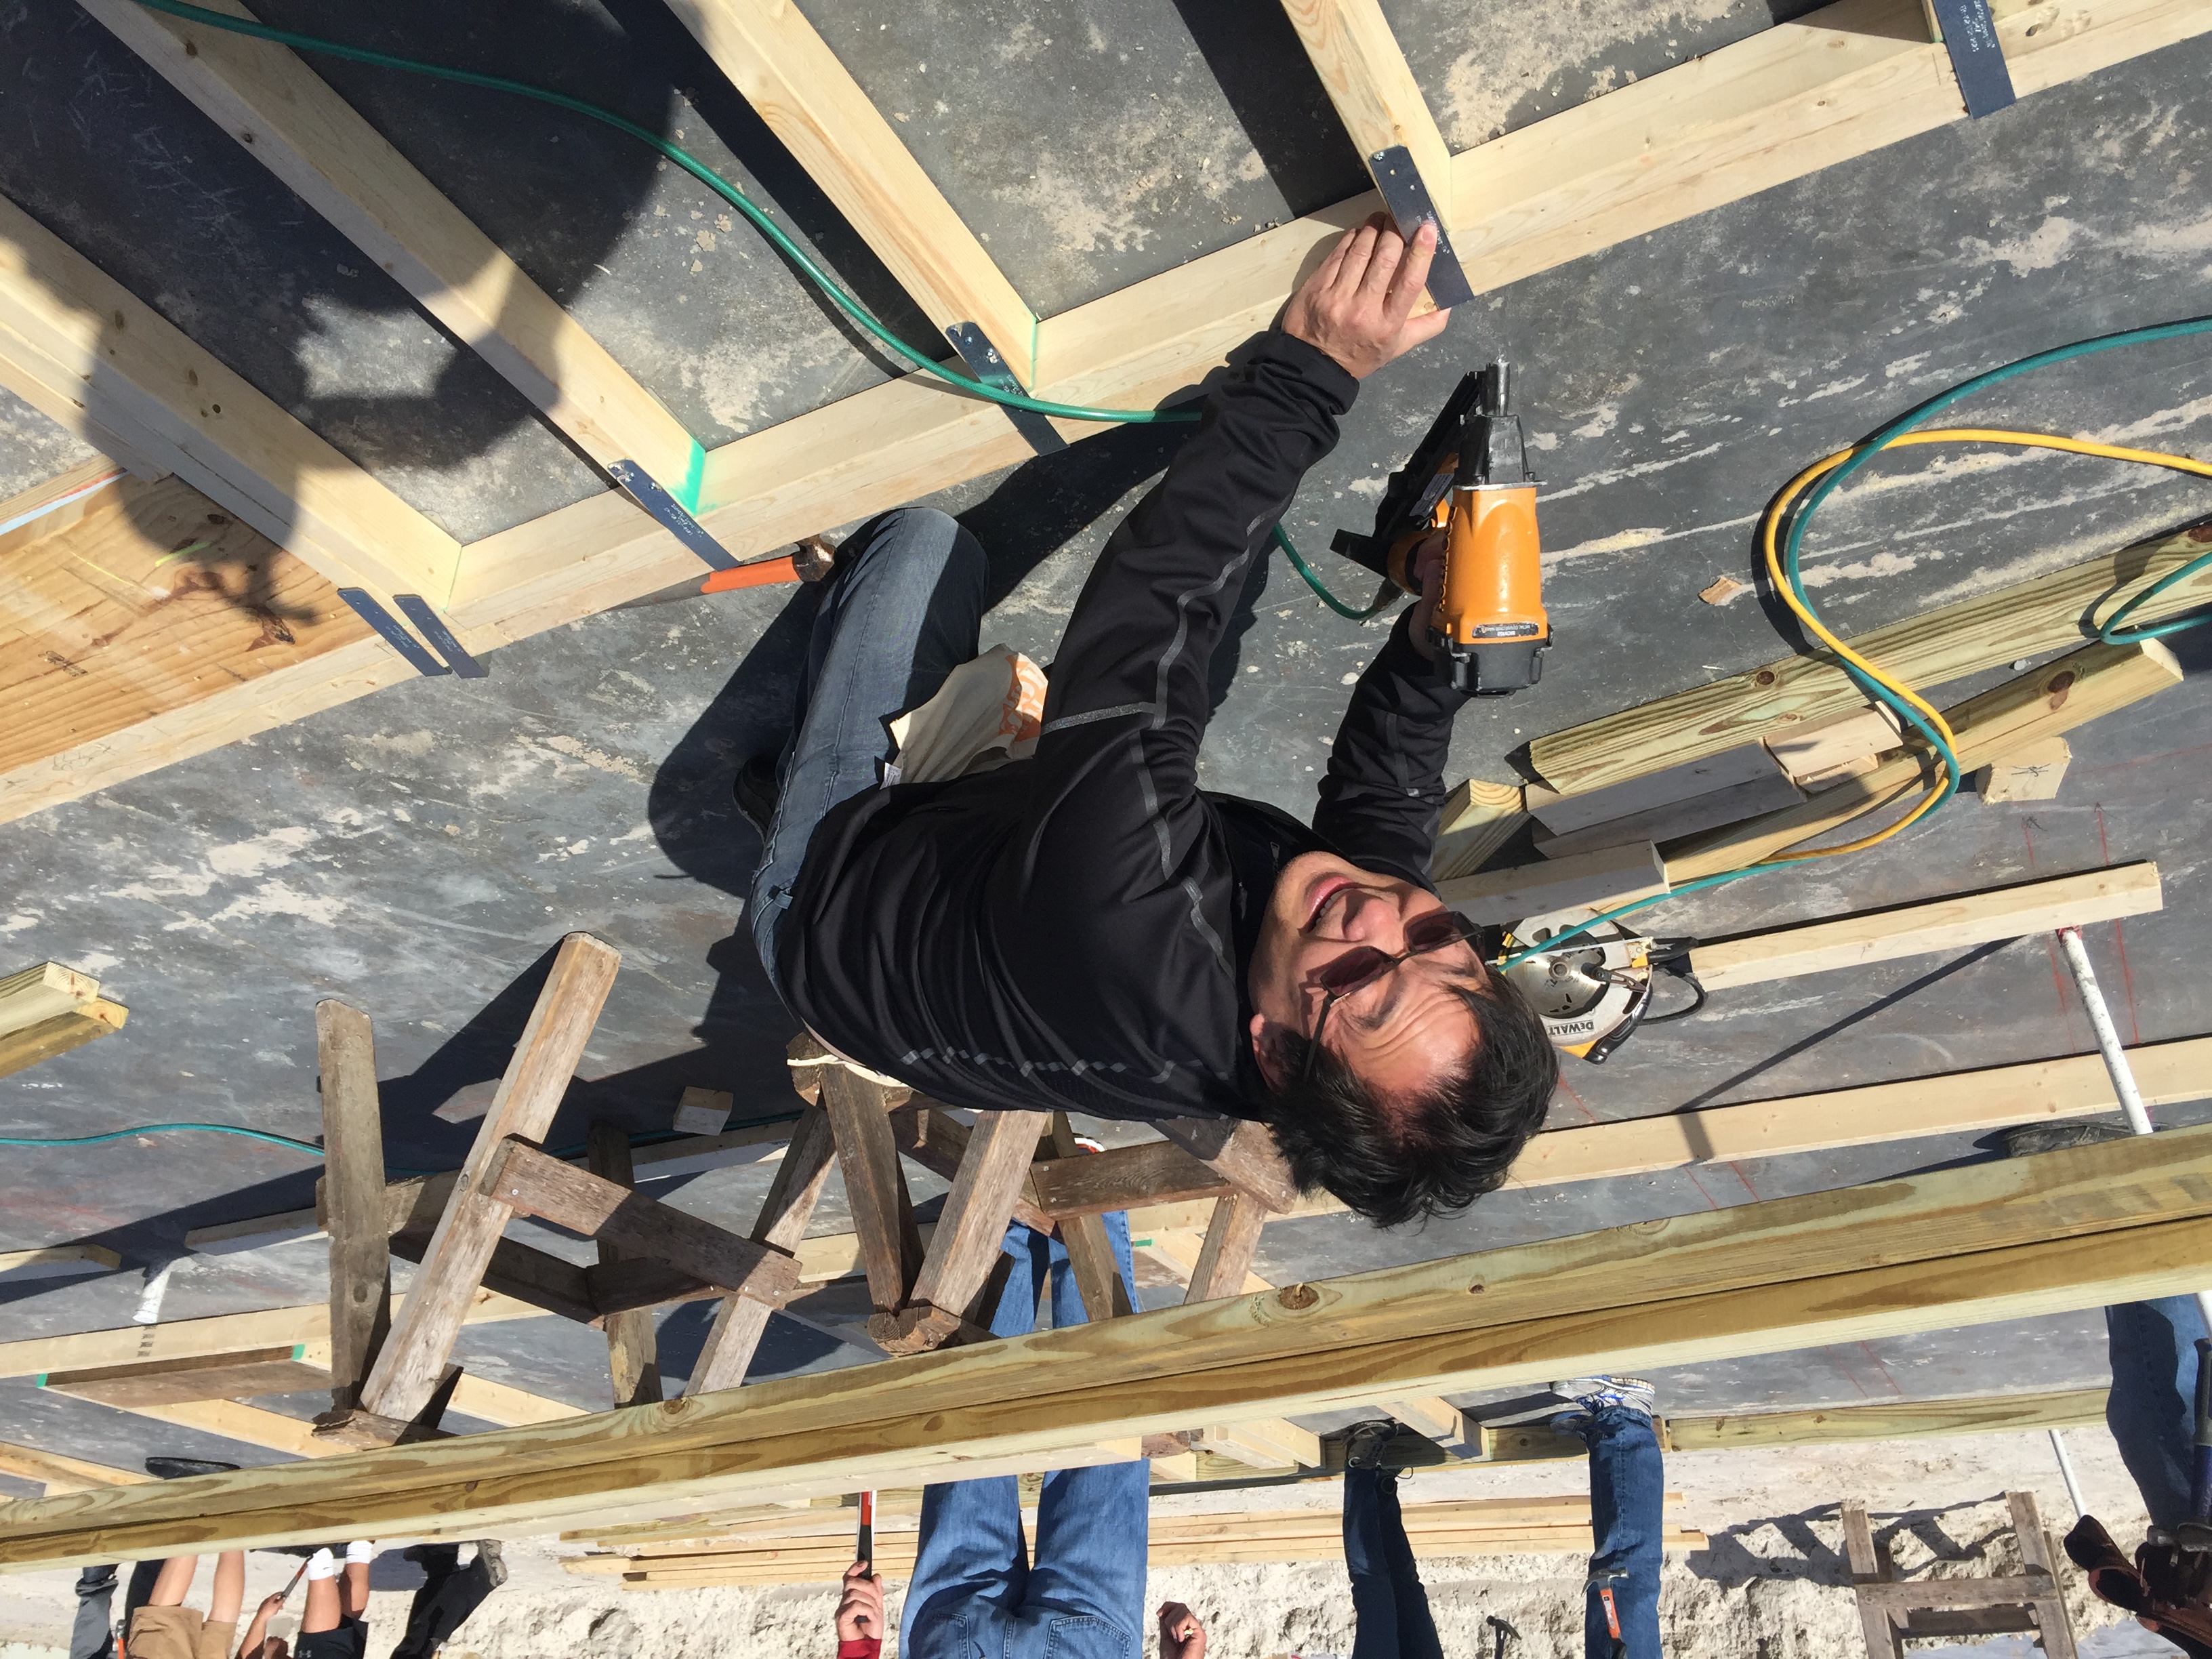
point(1443, 1151)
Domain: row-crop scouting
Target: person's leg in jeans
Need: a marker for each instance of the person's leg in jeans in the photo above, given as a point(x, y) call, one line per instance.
point(93, 1635)
point(1388, 1604)
point(1627, 1512)
point(898, 615)
point(449, 1594)
point(2152, 1409)
point(1092, 1524)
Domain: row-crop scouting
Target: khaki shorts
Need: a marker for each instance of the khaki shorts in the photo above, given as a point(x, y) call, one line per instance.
point(178, 1633)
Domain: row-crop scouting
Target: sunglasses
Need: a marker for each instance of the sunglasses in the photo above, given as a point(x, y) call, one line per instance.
point(1355, 970)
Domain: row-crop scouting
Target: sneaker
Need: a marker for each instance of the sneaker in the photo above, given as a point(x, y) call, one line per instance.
point(493, 1562)
point(1364, 1443)
point(755, 791)
point(2026, 1138)
point(184, 1468)
point(1594, 1394)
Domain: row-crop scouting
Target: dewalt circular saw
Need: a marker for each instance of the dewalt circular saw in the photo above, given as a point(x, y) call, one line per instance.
point(1594, 991)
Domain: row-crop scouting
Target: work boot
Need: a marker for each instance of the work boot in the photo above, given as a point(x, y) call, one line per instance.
point(2025, 1138)
point(493, 1562)
point(755, 791)
point(1364, 1443)
point(184, 1468)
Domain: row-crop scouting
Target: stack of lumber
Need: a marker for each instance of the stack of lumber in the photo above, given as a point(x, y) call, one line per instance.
point(49, 1010)
point(1490, 1526)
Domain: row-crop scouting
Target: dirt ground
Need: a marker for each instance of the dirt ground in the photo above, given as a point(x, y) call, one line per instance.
point(1769, 1584)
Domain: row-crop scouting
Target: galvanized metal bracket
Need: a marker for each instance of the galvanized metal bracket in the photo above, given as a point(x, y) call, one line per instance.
point(431, 627)
point(1407, 198)
point(639, 485)
point(394, 635)
point(1969, 34)
point(985, 364)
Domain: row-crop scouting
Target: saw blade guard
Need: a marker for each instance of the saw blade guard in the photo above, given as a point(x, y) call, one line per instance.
point(1592, 991)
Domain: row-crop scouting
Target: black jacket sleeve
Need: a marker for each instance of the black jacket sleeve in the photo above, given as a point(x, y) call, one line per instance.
point(1385, 784)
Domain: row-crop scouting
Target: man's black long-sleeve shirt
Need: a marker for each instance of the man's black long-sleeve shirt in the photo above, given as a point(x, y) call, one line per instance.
point(1072, 931)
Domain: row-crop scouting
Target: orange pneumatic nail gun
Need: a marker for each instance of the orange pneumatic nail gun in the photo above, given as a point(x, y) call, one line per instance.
point(1470, 478)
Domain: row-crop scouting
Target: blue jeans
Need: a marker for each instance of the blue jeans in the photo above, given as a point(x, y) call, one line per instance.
point(1388, 1601)
point(2152, 1410)
point(898, 615)
point(974, 1594)
point(1628, 1500)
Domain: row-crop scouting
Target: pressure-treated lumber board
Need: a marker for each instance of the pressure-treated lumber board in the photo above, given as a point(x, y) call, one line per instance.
point(2063, 694)
point(39, 992)
point(154, 600)
point(495, 1402)
point(1961, 1103)
point(2032, 772)
point(1477, 819)
point(633, 1349)
point(2024, 619)
point(215, 1377)
point(1372, 87)
point(1890, 1419)
point(1558, 814)
point(77, 345)
point(1823, 751)
point(519, 1177)
point(773, 56)
point(740, 1322)
point(251, 1425)
point(1998, 1240)
point(58, 1261)
point(414, 1355)
point(58, 1474)
point(1770, 792)
point(1610, 875)
point(1265, 1443)
point(271, 102)
point(1946, 924)
point(353, 1194)
point(60, 1034)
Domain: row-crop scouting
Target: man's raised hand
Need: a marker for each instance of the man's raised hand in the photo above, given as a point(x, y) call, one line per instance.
point(1358, 307)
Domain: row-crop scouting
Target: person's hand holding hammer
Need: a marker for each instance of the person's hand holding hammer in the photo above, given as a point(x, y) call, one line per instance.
point(1182, 1636)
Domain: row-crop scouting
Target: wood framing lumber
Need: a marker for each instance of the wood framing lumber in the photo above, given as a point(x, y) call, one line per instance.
point(1232, 1238)
point(547, 1282)
point(702, 1111)
point(1947, 924)
point(1477, 819)
point(414, 1355)
point(1122, 1178)
point(1746, 766)
point(58, 1474)
point(58, 502)
point(875, 1187)
point(2032, 772)
point(2063, 694)
point(1091, 1255)
point(935, 1140)
point(1827, 752)
point(353, 1192)
point(39, 992)
point(970, 1231)
point(80, 348)
point(273, 103)
point(58, 1035)
point(1732, 804)
point(1869, 1565)
point(522, 1179)
point(1371, 85)
point(1439, 1420)
point(2025, 619)
point(58, 1261)
point(250, 1425)
point(213, 1377)
point(1890, 1420)
point(633, 1349)
point(1243, 1151)
point(495, 1402)
point(740, 1322)
point(1180, 1253)
point(811, 102)
point(1998, 1240)
point(1610, 875)
point(1264, 1442)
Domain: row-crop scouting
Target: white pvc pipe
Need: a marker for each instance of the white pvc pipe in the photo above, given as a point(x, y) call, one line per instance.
point(2066, 1469)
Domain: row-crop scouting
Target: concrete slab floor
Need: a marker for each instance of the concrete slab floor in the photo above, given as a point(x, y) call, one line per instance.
point(422, 851)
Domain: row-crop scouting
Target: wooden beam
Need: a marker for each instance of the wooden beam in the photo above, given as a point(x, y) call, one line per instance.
point(545, 1055)
point(250, 1425)
point(1232, 1238)
point(1998, 1240)
point(23, 1048)
point(353, 1185)
point(37, 994)
point(1946, 924)
point(1242, 1152)
point(633, 1349)
point(271, 102)
point(811, 102)
point(1890, 1420)
point(1610, 875)
point(526, 1181)
point(2032, 772)
point(1123, 1178)
point(970, 1232)
point(2063, 694)
point(84, 350)
point(58, 1261)
point(1477, 819)
point(1770, 792)
point(2025, 619)
point(59, 1474)
point(1090, 1254)
point(547, 1282)
point(875, 1187)
point(740, 1322)
point(215, 1377)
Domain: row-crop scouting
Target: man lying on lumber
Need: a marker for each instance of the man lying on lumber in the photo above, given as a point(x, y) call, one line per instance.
point(1086, 927)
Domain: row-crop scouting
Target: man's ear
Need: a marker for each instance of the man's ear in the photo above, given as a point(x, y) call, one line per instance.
point(1263, 1052)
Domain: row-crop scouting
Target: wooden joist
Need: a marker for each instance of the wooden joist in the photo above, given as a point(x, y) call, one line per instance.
point(58, 1261)
point(215, 1377)
point(271, 102)
point(57, 1034)
point(59, 1474)
point(2001, 1240)
point(1948, 924)
point(88, 353)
